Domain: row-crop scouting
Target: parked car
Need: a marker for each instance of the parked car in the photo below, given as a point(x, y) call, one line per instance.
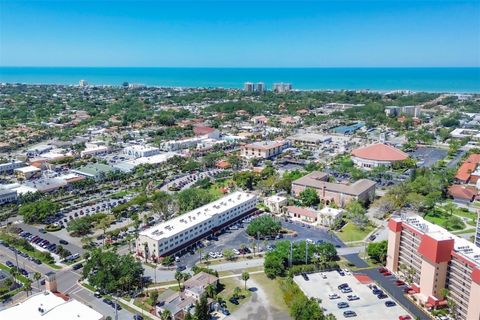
point(342, 305)
point(343, 285)
point(97, 294)
point(382, 296)
point(9, 264)
point(305, 277)
point(349, 314)
point(137, 317)
point(346, 290)
point(77, 266)
point(352, 297)
point(382, 269)
point(390, 303)
point(333, 296)
point(108, 301)
point(399, 283)
point(64, 242)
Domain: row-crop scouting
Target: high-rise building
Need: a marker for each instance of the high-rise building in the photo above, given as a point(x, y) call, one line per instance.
point(260, 87)
point(477, 233)
point(282, 87)
point(248, 86)
point(431, 259)
point(83, 83)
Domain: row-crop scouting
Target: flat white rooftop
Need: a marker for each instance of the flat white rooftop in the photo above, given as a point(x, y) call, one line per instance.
point(178, 224)
point(27, 169)
point(54, 308)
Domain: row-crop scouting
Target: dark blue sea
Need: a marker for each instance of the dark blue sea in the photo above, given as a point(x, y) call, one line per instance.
point(457, 80)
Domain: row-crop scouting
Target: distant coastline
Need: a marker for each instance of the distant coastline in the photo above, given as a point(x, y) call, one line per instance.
point(453, 80)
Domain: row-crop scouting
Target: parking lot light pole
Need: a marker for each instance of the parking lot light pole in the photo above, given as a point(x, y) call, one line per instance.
point(306, 252)
point(291, 254)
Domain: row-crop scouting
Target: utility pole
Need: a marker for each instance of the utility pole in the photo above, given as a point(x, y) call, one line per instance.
point(306, 252)
point(291, 255)
point(16, 259)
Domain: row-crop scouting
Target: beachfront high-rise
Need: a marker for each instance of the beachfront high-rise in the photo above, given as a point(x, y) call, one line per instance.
point(477, 233)
point(248, 86)
point(435, 259)
point(282, 87)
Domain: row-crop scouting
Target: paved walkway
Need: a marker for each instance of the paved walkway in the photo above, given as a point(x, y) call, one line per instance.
point(137, 309)
point(222, 277)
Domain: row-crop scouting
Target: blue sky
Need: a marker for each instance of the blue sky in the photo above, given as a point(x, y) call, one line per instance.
point(240, 33)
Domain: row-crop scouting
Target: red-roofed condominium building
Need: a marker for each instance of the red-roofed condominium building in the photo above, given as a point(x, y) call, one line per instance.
point(468, 173)
point(377, 155)
point(435, 259)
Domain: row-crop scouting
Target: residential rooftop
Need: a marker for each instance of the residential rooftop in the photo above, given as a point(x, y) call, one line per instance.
point(317, 180)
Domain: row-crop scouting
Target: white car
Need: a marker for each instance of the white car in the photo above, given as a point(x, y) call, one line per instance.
point(352, 297)
point(333, 296)
point(347, 272)
point(236, 251)
point(324, 276)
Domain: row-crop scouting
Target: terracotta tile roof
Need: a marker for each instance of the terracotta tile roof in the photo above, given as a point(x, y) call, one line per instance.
point(466, 169)
point(380, 152)
point(302, 212)
point(201, 130)
point(462, 192)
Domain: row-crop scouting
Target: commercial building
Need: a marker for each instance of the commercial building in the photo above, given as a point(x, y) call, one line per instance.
point(9, 166)
point(275, 203)
point(140, 151)
point(7, 196)
point(178, 233)
point(325, 217)
point(362, 190)
point(28, 172)
point(95, 171)
point(49, 306)
point(94, 150)
point(460, 133)
point(38, 150)
point(209, 132)
point(377, 155)
point(129, 165)
point(263, 149)
point(310, 140)
point(435, 259)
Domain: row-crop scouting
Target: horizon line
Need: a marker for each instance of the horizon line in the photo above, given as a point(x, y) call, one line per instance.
point(258, 67)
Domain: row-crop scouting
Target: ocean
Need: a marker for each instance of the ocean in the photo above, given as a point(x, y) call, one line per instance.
point(458, 80)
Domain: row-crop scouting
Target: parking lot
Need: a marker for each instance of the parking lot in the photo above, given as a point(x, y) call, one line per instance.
point(368, 306)
point(428, 156)
point(234, 239)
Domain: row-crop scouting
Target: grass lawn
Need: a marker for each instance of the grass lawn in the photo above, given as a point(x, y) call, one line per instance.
point(229, 285)
point(464, 231)
point(273, 290)
point(20, 277)
point(350, 233)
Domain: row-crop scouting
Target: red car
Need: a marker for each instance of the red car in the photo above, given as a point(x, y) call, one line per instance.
point(388, 273)
point(382, 270)
point(407, 317)
point(407, 289)
point(399, 283)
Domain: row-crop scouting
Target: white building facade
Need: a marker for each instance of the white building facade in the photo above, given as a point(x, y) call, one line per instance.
point(174, 235)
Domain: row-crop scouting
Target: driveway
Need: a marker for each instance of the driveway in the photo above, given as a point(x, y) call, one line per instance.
point(387, 283)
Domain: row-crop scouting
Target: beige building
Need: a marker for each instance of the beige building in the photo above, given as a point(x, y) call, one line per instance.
point(362, 190)
point(435, 259)
point(263, 149)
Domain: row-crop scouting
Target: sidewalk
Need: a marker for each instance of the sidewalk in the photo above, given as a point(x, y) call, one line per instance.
point(222, 277)
point(137, 309)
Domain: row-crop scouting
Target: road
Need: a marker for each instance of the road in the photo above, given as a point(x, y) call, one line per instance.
point(453, 163)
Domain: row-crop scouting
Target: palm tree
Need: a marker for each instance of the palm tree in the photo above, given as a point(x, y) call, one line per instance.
point(245, 277)
point(27, 286)
point(165, 315)
point(178, 277)
point(14, 272)
point(37, 276)
point(200, 252)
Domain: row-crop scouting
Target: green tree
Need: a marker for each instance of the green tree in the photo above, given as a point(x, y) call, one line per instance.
point(309, 197)
point(36, 277)
point(245, 277)
point(264, 226)
point(228, 254)
point(178, 277)
point(202, 311)
point(153, 297)
point(378, 251)
point(236, 292)
point(38, 211)
point(27, 286)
